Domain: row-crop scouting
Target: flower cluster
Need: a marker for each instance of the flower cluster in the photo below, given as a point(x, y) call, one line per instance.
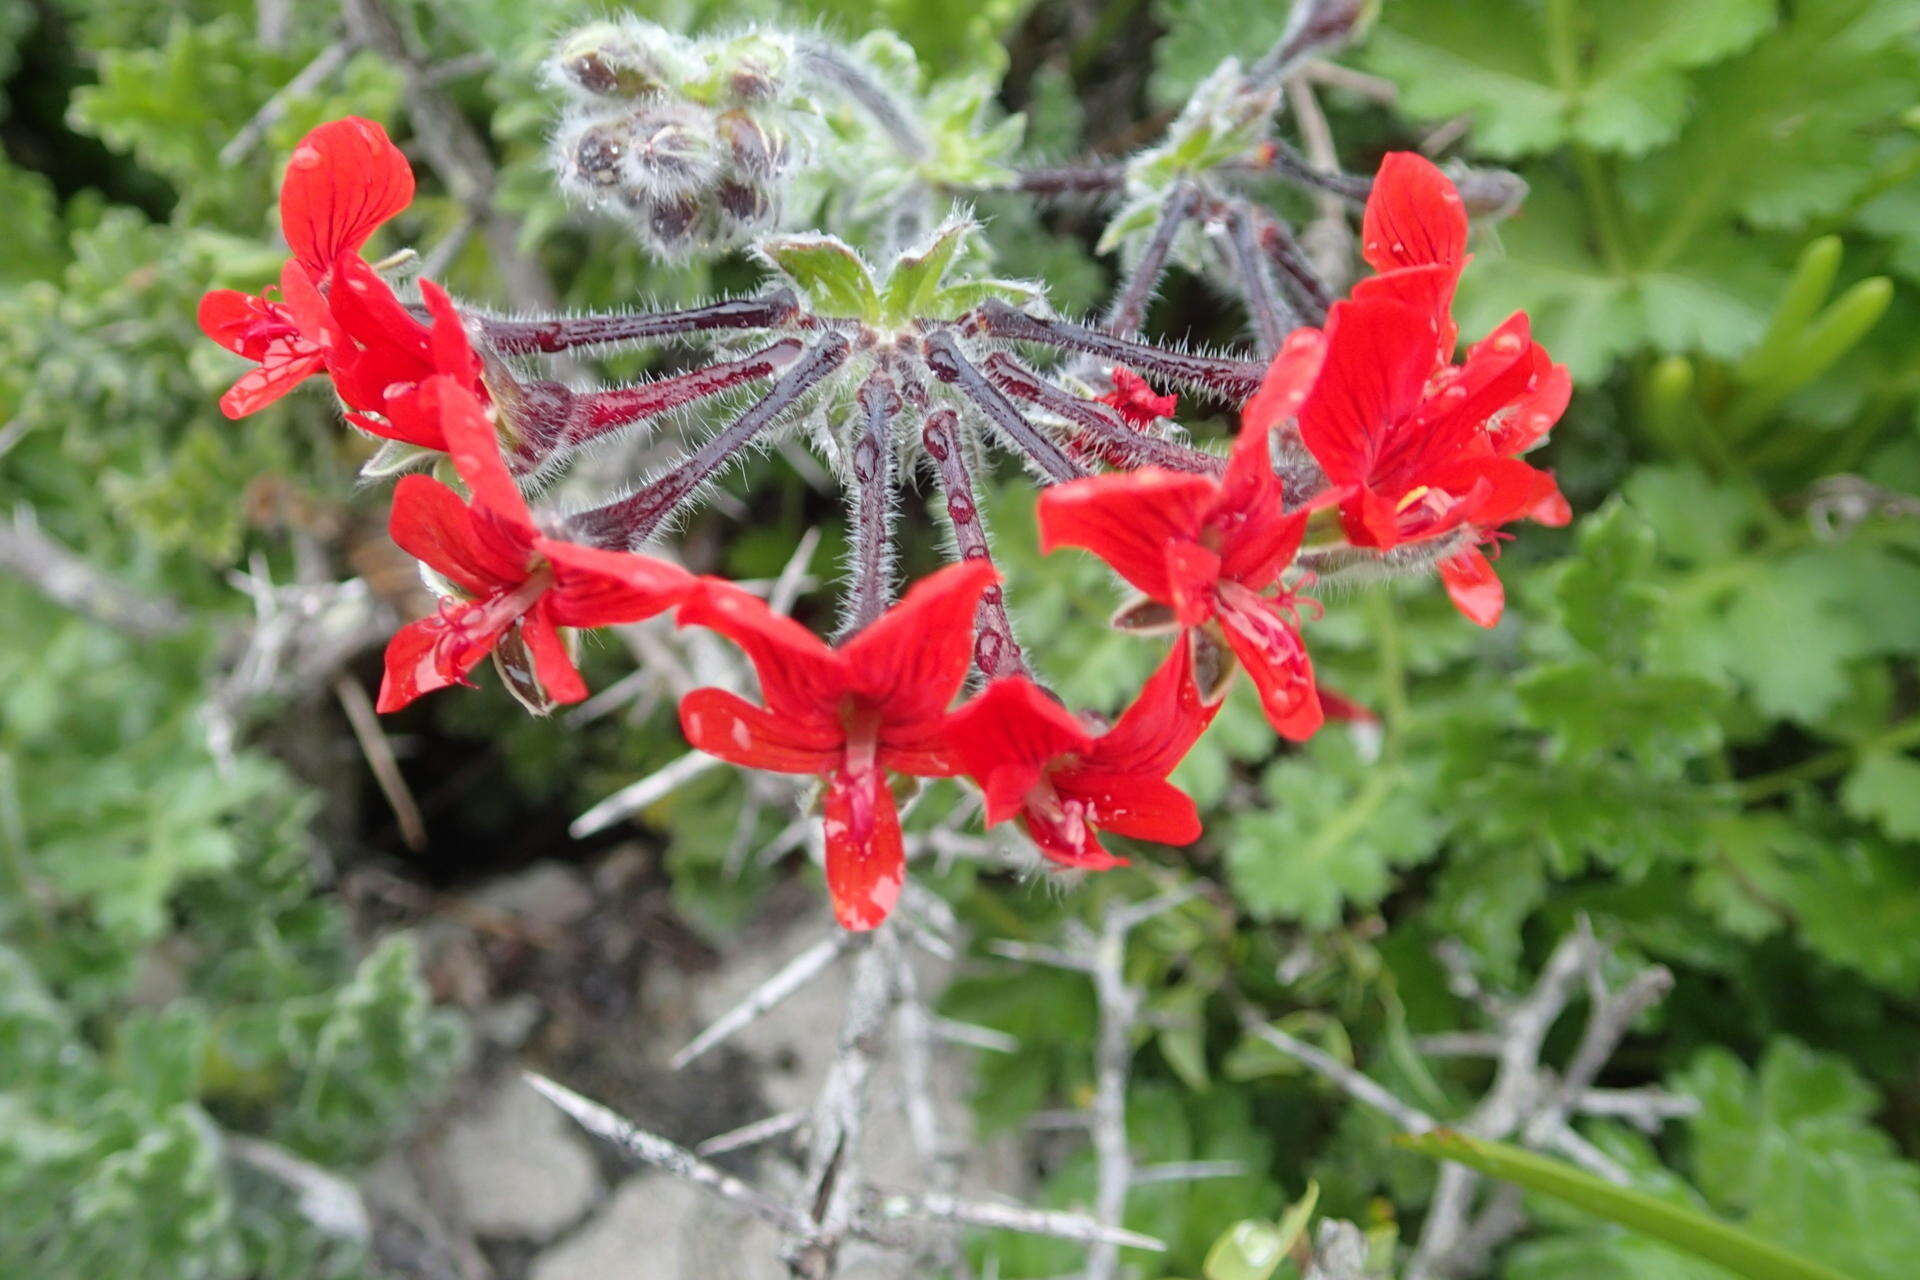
point(1358, 437)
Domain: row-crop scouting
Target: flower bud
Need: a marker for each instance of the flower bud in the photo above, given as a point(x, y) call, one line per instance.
point(753, 150)
point(628, 60)
point(674, 151)
point(597, 157)
point(672, 221)
point(746, 204)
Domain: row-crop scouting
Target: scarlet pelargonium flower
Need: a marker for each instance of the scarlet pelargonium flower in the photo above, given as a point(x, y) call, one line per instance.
point(876, 705)
point(520, 585)
point(1212, 550)
point(1036, 761)
point(343, 181)
point(1423, 448)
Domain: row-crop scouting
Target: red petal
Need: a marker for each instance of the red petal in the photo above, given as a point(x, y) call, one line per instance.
point(1136, 807)
point(1065, 832)
point(1429, 291)
point(1135, 398)
point(430, 523)
point(1496, 489)
point(343, 180)
point(440, 650)
point(726, 725)
point(383, 350)
point(909, 663)
point(1269, 647)
point(1263, 545)
point(801, 679)
point(1554, 510)
point(234, 320)
point(1004, 737)
point(1165, 720)
point(452, 351)
point(1378, 357)
point(594, 587)
point(1474, 587)
point(552, 664)
point(1286, 384)
point(866, 862)
point(283, 368)
point(474, 444)
point(1339, 707)
point(1128, 520)
point(1414, 217)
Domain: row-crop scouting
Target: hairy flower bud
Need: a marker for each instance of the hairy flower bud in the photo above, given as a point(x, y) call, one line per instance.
point(752, 149)
point(674, 151)
point(672, 222)
point(746, 205)
point(597, 156)
point(624, 60)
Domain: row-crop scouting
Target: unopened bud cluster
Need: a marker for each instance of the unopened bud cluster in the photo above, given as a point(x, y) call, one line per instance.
point(691, 139)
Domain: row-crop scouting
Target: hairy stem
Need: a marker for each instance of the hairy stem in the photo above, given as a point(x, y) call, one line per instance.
point(995, 652)
point(1111, 436)
point(1309, 293)
point(1272, 318)
point(949, 365)
point(1282, 159)
point(570, 333)
point(1129, 308)
point(556, 417)
point(1071, 180)
point(872, 588)
point(633, 519)
point(1221, 376)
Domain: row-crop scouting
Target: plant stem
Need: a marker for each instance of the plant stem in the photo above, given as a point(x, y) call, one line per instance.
point(949, 365)
point(1221, 376)
point(1897, 737)
point(630, 521)
point(1113, 438)
point(872, 468)
point(569, 333)
point(1272, 317)
point(1129, 307)
point(995, 652)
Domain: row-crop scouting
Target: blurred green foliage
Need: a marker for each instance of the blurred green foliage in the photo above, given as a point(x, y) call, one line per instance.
point(1696, 729)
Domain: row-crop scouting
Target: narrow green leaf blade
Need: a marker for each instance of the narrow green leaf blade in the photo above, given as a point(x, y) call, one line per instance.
point(1683, 1228)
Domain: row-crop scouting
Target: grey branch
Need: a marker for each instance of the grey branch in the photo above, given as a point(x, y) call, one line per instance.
point(69, 580)
point(611, 1128)
point(786, 980)
point(931, 1207)
point(749, 1135)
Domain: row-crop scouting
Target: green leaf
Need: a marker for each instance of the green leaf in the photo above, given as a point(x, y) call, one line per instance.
point(913, 284)
point(1334, 831)
point(1792, 1147)
point(1535, 78)
point(1884, 787)
point(1739, 1251)
point(829, 274)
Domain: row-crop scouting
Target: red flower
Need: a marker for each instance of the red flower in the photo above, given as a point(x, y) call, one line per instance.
point(343, 181)
point(1423, 448)
point(519, 584)
point(1212, 549)
point(1036, 761)
point(1135, 398)
point(853, 714)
